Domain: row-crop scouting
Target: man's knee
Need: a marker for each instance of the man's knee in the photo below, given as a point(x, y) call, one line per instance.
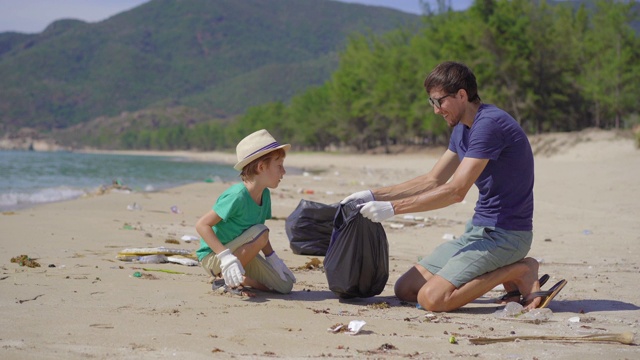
point(434, 296)
point(430, 302)
point(403, 292)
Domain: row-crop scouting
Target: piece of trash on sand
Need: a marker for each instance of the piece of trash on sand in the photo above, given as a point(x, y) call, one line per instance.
point(396, 226)
point(151, 259)
point(575, 319)
point(25, 260)
point(155, 255)
point(179, 259)
point(135, 206)
point(448, 237)
point(188, 238)
point(515, 311)
point(175, 210)
point(353, 328)
point(512, 309)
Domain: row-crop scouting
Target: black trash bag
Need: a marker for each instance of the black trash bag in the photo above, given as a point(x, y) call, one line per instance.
point(309, 227)
point(357, 261)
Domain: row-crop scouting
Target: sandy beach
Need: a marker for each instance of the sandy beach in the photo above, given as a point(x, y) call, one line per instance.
point(83, 303)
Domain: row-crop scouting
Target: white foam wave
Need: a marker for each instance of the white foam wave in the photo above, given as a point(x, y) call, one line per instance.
point(15, 200)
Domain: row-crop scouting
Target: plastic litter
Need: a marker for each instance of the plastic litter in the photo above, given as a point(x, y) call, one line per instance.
point(353, 328)
point(134, 207)
point(512, 309)
point(177, 259)
point(448, 237)
point(188, 238)
point(151, 259)
point(515, 311)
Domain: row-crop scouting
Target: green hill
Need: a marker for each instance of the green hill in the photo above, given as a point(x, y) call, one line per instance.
point(218, 57)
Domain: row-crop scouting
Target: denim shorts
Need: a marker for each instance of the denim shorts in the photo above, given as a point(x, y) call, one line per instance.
point(481, 249)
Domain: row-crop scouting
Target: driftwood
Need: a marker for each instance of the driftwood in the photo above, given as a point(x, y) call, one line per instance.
point(623, 338)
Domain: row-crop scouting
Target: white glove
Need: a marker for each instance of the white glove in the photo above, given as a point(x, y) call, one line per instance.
point(278, 265)
point(365, 195)
point(377, 211)
point(231, 267)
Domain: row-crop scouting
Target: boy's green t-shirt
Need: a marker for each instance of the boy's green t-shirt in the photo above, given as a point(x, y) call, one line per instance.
point(238, 212)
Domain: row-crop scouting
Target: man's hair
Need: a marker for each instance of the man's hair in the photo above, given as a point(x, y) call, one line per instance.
point(451, 76)
point(251, 169)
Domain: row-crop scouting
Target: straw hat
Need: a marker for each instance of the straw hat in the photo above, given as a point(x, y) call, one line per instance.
point(256, 145)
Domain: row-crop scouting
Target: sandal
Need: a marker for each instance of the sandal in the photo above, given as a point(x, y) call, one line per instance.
point(547, 295)
point(543, 280)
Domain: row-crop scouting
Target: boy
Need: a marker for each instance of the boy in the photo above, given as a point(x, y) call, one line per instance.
point(233, 232)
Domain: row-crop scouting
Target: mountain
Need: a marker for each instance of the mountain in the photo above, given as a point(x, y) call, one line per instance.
point(216, 56)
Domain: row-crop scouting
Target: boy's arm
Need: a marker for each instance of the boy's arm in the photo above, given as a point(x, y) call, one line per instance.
point(204, 229)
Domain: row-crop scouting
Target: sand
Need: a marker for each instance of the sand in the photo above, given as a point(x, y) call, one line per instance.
point(83, 303)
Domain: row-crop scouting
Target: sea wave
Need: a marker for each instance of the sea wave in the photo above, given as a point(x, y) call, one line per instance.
point(18, 200)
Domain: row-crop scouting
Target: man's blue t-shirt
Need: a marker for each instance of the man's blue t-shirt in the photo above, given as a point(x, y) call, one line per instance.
point(506, 184)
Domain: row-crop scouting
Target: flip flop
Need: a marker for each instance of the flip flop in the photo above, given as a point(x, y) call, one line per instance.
point(548, 295)
point(543, 280)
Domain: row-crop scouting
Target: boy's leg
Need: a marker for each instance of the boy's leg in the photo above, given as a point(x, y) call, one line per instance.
point(258, 273)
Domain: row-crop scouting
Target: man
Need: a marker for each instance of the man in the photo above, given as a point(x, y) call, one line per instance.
point(488, 148)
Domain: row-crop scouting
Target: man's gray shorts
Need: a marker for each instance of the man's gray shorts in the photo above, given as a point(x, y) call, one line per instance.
point(479, 250)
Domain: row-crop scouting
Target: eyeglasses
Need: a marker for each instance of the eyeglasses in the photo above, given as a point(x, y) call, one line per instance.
point(436, 102)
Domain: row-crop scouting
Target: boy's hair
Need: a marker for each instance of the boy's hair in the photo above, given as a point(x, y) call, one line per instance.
point(451, 76)
point(251, 169)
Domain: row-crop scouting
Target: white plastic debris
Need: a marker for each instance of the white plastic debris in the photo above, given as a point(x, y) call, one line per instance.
point(182, 260)
point(134, 207)
point(188, 238)
point(515, 311)
point(448, 237)
point(355, 326)
point(512, 309)
point(575, 319)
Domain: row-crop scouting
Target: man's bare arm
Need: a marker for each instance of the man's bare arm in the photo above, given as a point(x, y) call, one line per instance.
point(437, 176)
point(449, 193)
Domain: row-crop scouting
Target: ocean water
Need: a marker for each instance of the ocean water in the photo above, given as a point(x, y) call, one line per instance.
point(29, 178)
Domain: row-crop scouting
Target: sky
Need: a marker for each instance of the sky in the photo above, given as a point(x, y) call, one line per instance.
point(33, 16)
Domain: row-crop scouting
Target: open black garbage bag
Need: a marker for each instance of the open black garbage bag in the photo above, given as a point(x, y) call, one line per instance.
point(309, 227)
point(357, 261)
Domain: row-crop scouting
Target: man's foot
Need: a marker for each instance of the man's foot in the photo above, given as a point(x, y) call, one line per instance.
point(528, 283)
